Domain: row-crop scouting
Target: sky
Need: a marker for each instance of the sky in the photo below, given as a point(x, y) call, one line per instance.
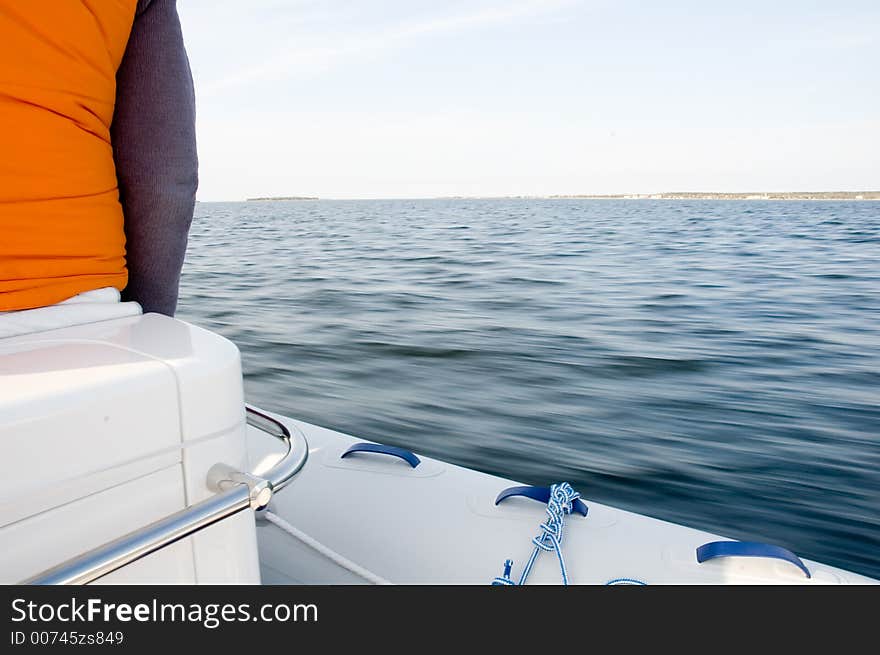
point(418, 98)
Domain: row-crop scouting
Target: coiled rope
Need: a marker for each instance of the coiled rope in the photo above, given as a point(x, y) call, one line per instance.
point(561, 501)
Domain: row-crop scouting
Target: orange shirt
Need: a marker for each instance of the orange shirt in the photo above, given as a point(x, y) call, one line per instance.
point(61, 225)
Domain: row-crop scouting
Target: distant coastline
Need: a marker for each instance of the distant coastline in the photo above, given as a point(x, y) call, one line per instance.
point(674, 195)
point(696, 195)
point(273, 198)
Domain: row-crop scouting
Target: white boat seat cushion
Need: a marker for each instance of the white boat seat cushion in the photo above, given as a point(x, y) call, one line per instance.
point(89, 307)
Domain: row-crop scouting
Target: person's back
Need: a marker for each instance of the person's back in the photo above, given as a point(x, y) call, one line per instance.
point(59, 204)
point(64, 187)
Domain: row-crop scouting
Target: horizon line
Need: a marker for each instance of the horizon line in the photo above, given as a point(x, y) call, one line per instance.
point(586, 196)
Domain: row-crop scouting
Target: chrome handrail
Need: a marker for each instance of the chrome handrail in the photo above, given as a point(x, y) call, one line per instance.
point(236, 491)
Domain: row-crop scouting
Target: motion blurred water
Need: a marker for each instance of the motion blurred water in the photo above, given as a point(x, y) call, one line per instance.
point(715, 364)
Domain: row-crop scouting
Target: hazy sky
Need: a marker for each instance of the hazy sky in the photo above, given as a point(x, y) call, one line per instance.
point(418, 98)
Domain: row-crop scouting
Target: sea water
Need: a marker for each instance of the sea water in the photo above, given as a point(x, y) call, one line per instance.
point(712, 363)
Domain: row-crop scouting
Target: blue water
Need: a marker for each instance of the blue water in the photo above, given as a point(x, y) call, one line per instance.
point(715, 364)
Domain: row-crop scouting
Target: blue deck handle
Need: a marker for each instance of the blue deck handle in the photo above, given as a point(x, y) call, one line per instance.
point(541, 494)
point(402, 453)
point(716, 549)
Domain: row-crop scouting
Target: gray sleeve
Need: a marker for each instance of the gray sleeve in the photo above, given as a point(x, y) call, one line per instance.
point(154, 147)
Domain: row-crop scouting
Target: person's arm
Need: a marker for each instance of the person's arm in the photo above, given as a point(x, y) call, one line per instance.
point(154, 146)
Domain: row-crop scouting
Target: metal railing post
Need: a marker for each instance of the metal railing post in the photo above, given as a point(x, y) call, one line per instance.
point(236, 491)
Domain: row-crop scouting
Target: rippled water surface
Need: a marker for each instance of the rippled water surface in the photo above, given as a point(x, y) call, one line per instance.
point(711, 363)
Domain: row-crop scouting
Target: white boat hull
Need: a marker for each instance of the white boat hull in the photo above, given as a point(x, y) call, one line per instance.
point(112, 428)
point(438, 524)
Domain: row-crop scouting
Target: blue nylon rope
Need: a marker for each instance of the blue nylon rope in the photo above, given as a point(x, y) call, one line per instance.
point(624, 581)
point(562, 498)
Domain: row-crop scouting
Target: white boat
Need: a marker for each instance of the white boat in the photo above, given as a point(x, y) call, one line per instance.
point(128, 457)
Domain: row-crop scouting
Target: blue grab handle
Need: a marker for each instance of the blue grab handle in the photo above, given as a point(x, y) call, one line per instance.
point(366, 447)
point(748, 549)
point(541, 494)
